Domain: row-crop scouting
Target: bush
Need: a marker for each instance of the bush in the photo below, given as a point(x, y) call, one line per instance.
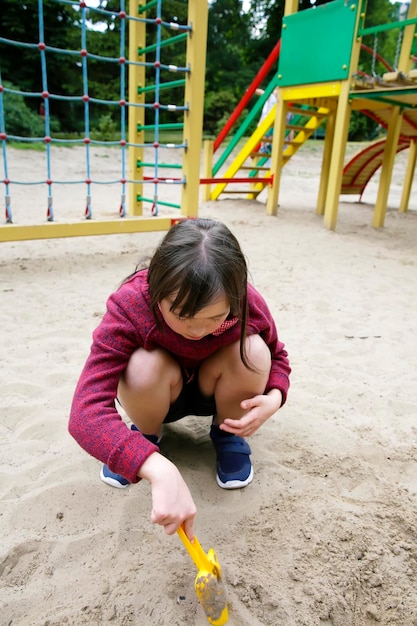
point(20, 119)
point(218, 106)
point(107, 128)
point(362, 127)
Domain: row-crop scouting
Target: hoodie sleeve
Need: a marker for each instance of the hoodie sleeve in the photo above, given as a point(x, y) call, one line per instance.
point(94, 421)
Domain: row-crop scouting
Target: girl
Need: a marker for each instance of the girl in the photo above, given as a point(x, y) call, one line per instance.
point(187, 336)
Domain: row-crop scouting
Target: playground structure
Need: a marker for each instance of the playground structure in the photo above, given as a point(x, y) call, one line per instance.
point(136, 174)
point(318, 80)
point(317, 85)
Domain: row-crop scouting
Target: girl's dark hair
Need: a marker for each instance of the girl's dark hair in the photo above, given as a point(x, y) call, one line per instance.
point(198, 260)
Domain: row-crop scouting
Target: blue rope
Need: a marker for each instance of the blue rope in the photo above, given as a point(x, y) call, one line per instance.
point(51, 96)
point(96, 142)
point(122, 210)
point(91, 55)
point(144, 181)
point(88, 209)
point(155, 209)
point(50, 211)
point(8, 209)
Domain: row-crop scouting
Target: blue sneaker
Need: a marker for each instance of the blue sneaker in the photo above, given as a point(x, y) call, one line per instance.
point(234, 467)
point(112, 479)
point(116, 480)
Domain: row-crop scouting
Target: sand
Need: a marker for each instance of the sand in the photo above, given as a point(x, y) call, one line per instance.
point(326, 535)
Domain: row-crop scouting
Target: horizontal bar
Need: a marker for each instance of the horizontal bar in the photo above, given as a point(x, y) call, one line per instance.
point(383, 27)
point(210, 181)
point(152, 201)
point(167, 85)
point(167, 165)
point(148, 5)
point(173, 126)
point(52, 230)
point(165, 180)
point(162, 44)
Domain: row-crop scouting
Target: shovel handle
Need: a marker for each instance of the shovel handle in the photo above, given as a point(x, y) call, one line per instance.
point(195, 551)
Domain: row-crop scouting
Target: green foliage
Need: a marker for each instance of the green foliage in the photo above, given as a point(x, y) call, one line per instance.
point(107, 129)
point(217, 107)
point(20, 119)
point(362, 127)
point(228, 35)
point(385, 44)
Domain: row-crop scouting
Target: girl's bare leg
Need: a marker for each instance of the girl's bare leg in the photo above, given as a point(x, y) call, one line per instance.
point(226, 377)
point(151, 382)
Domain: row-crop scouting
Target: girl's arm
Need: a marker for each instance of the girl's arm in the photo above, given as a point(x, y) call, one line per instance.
point(94, 420)
point(172, 503)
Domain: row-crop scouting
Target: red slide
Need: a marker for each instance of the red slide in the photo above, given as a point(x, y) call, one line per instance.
point(360, 169)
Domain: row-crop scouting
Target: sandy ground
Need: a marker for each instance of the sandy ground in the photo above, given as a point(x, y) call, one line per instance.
point(327, 532)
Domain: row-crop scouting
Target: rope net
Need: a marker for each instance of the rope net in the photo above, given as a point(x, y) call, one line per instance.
point(144, 138)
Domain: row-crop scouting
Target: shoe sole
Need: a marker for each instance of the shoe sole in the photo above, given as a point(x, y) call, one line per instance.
point(112, 481)
point(235, 484)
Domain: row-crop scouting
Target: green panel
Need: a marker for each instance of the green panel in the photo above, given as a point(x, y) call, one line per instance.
point(316, 44)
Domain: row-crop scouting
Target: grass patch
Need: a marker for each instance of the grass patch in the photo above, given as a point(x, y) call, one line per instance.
point(38, 146)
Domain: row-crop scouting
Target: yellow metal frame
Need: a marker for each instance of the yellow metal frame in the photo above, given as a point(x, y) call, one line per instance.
point(137, 40)
point(55, 230)
point(409, 175)
point(207, 167)
point(311, 93)
point(388, 159)
point(194, 98)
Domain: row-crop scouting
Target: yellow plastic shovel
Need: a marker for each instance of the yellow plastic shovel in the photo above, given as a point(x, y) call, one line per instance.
point(208, 583)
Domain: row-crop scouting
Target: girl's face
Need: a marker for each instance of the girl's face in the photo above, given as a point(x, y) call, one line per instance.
point(203, 323)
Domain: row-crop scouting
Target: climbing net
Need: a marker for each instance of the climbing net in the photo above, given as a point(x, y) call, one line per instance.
point(137, 136)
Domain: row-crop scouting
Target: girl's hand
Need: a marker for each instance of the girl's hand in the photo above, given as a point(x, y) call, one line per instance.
point(258, 410)
point(172, 503)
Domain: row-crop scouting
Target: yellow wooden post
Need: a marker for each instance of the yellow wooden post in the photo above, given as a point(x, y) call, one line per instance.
point(393, 132)
point(404, 65)
point(325, 164)
point(291, 6)
point(194, 99)
point(335, 172)
point(137, 39)
point(276, 157)
point(388, 159)
point(409, 175)
point(207, 167)
point(405, 60)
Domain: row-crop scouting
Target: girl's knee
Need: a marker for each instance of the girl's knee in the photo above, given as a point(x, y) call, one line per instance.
point(258, 353)
point(258, 356)
point(148, 366)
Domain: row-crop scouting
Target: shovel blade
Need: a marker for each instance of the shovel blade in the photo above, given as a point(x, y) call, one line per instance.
point(211, 593)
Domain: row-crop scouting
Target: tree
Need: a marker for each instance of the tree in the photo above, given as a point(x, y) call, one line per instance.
point(386, 43)
point(229, 67)
point(229, 32)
